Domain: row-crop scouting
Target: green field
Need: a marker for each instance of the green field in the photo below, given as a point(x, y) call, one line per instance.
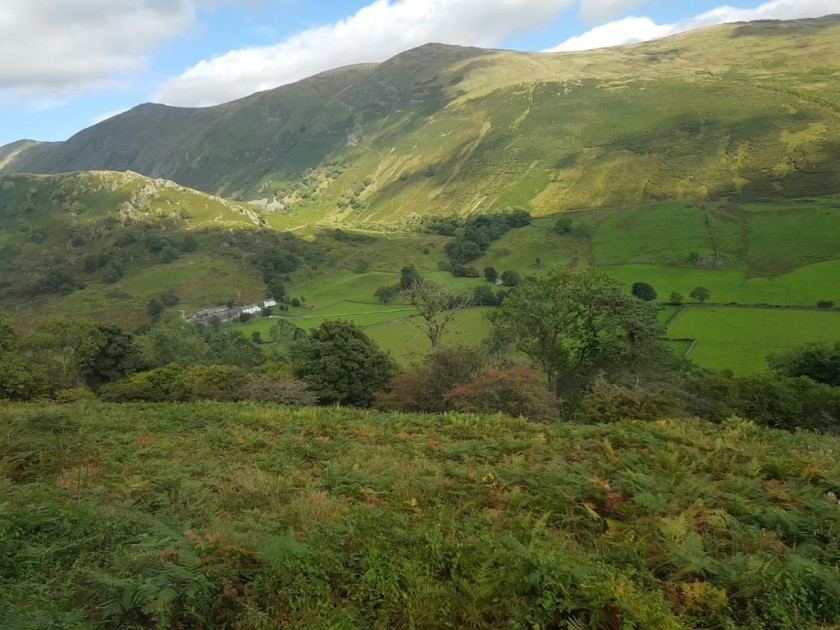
point(803, 287)
point(361, 314)
point(404, 339)
point(740, 339)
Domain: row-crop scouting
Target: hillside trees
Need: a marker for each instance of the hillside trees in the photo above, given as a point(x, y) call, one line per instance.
point(644, 291)
point(173, 341)
point(19, 379)
point(818, 361)
point(437, 308)
point(700, 294)
point(474, 235)
point(575, 325)
point(78, 353)
point(427, 388)
point(341, 364)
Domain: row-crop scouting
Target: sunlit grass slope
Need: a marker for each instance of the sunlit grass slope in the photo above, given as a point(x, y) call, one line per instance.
point(744, 111)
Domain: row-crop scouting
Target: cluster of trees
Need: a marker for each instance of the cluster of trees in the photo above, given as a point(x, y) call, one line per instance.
point(473, 236)
point(61, 355)
point(471, 379)
point(596, 354)
point(104, 251)
point(334, 364)
point(177, 361)
point(567, 345)
point(645, 291)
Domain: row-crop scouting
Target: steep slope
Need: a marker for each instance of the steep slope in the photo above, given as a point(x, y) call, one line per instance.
point(101, 244)
point(251, 516)
point(747, 111)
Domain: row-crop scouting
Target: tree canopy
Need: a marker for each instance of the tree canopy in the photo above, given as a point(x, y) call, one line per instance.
point(574, 325)
point(818, 361)
point(644, 291)
point(341, 364)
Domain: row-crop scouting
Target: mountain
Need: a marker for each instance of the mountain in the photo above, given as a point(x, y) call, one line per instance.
point(743, 111)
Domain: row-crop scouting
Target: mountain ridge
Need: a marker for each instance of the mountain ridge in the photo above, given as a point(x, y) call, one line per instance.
point(746, 110)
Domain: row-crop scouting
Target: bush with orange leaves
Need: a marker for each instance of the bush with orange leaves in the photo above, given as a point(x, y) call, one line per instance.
point(516, 392)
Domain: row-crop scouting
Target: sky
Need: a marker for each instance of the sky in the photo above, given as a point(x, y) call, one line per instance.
point(68, 64)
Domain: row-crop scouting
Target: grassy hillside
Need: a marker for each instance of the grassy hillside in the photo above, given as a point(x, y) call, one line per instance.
point(743, 111)
point(212, 516)
point(102, 244)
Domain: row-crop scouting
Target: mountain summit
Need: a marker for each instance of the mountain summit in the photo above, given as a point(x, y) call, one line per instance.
point(741, 110)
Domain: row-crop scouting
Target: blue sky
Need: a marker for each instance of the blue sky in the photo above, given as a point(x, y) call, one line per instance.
point(65, 64)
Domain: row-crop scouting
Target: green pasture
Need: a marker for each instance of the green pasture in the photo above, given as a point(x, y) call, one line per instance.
point(667, 313)
point(404, 338)
point(662, 235)
point(340, 286)
point(762, 240)
point(802, 287)
point(362, 314)
point(532, 248)
point(201, 282)
point(793, 237)
point(679, 346)
point(740, 339)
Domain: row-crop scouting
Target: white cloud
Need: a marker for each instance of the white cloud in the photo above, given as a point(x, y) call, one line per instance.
point(627, 31)
point(107, 115)
point(376, 32)
point(50, 49)
point(601, 10)
point(632, 30)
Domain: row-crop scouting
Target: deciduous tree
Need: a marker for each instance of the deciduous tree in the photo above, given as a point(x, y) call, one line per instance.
point(437, 307)
point(574, 325)
point(341, 364)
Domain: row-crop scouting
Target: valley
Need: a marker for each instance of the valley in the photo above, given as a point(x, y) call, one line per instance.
point(510, 340)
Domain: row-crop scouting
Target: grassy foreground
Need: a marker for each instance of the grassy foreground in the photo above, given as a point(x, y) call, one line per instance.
point(247, 516)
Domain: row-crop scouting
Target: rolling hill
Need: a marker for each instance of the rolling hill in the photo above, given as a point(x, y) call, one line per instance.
point(741, 111)
point(101, 244)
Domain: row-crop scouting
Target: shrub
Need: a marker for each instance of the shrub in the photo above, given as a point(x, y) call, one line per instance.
point(563, 226)
point(385, 295)
point(20, 380)
point(77, 394)
point(426, 389)
point(826, 304)
point(515, 392)
point(170, 297)
point(411, 393)
point(700, 294)
point(483, 295)
point(782, 403)
point(607, 402)
point(818, 361)
point(280, 391)
point(462, 271)
point(510, 278)
point(163, 384)
point(169, 254)
point(112, 272)
point(644, 291)
point(224, 383)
